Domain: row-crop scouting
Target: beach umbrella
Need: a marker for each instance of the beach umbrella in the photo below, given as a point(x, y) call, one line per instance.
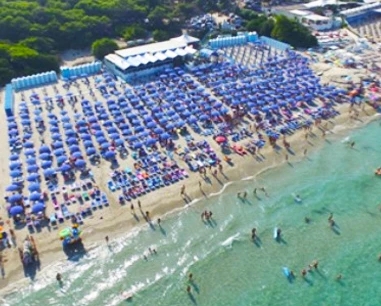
point(119, 142)
point(114, 136)
point(26, 122)
point(53, 121)
point(71, 141)
point(34, 187)
point(35, 196)
point(70, 133)
point(56, 136)
point(150, 141)
point(59, 152)
point(86, 136)
point(61, 159)
point(110, 154)
point(30, 152)
point(12, 187)
point(139, 129)
point(67, 125)
point(220, 139)
point(215, 113)
point(77, 154)
point(170, 126)
point(65, 167)
point(65, 119)
point(101, 139)
point(90, 151)
point(32, 177)
point(32, 168)
point(80, 163)
point(49, 172)
point(105, 145)
point(54, 129)
point(151, 125)
point(15, 198)
point(204, 117)
point(38, 207)
point(57, 144)
point(74, 148)
point(137, 145)
point(165, 136)
point(45, 156)
point(12, 125)
point(81, 122)
point(28, 144)
point(15, 165)
point(16, 210)
point(14, 157)
point(15, 173)
point(46, 164)
point(99, 134)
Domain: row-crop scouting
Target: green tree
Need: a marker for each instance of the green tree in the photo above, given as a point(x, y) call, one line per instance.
point(160, 35)
point(101, 47)
point(40, 44)
point(293, 33)
point(134, 32)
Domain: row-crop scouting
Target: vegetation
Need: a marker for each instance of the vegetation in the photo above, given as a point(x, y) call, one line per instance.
point(33, 32)
point(280, 27)
point(101, 47)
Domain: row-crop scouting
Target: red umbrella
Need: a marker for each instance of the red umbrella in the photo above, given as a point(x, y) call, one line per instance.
point(220, 139)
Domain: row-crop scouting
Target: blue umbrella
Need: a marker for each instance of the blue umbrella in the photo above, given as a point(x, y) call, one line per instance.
point(72, 140)
point(32, 168)
point(35, 196)
point(45, 156)
point(32, 177)
point(38, 208)
point(86, 136)
point(56, 136)
point(77, 154)
point(80, 163)
point(16, 210)
point(137, 145)
point(59, 152)
point(65, 167)
point(74, 148)
point(61, 159)
point(105, 145)
point(15, 173)
point(119, 142)
point(15, 165)
point(34, 187)
point(46, 164)
point(54, 129)
point(15, 198)
point(49, 172)
point(151, 124)
point(133, 138)
point(150, 141)
point(114, 136)
point(90, 151)
point(110, 154)
point(204, 117)
point(180, 123)
point(70, 133)
point(30, 152)
point(14, 157)
point(170, 126)
point(99, 134)
point(12, 188)
point(88, 143)
point(28, 144)
point(57, 144)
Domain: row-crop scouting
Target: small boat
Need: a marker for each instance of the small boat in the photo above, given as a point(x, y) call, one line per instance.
point(276, 233)
point(286, 272)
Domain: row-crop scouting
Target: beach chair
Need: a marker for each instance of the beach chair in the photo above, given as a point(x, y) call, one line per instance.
point(53, 219)
point(60, 217)
point(94, 205)
point(111, 186)
point(104, 199)
point(65, 211)
point(78, 217)
point(55, 203)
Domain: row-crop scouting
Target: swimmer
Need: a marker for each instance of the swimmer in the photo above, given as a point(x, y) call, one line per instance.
point(292, 274)
point(59, 277)
point(154, 251)
point(189, 289)
point(190, 278)
point(307, 220)
point(238, 195)
point(379, 257)
point(159, 222)
point(255, 191)
point(352, 144)
point(245, 195)
point(150, 251)
point(253, 233)
point(315, 264)
point(339, 277)
point(145, 257)
point(298, 198)
point(330, 217)
point(304, 272)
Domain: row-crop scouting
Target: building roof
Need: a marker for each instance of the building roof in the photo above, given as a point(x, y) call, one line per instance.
point(321, 3)
point(300, 12)
point(174, 43)
point(315, 17)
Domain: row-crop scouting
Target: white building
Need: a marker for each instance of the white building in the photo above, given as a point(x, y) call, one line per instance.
point(313, 21)
point(145, 60)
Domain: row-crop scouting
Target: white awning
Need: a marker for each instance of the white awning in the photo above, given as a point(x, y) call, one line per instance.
point(190, 50)
point(150, 58)
point(170, 54)
point(181, 51)
point(160, 56)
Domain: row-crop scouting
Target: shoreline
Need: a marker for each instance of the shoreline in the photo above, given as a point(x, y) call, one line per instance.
point(117, 224)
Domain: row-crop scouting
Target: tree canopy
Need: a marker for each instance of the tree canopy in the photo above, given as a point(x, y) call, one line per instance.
point(101, 47)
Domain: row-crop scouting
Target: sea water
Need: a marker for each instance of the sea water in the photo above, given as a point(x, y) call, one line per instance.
point(227, 267)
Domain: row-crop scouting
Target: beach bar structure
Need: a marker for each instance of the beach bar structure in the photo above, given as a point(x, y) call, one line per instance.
point(229, 41)
point(8, 100)
point(35, 80)
point(146, 60)
point(81, 70)
point(275, 44)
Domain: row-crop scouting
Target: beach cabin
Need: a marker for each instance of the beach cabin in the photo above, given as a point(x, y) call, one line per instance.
point(9, 102)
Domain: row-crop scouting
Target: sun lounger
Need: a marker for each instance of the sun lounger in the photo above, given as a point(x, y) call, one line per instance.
point(60, 217)
point(111, 186)
point(65, 211)
point(53, 219)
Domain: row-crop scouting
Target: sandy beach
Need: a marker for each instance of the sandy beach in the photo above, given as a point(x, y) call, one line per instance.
point(117, 220)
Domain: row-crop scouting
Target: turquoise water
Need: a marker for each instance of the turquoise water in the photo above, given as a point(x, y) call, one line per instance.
point(228, 268)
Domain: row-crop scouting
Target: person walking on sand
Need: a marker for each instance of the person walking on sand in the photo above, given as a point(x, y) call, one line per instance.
point(132, 208)
point(106, 240)
point(159, 222)
point(286, 157)
point(182, 190)
point(139, 204)
point(305, 152)
point(200, 184)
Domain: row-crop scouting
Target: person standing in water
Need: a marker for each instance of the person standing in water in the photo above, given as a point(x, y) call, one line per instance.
point(106, 240)
point(253, 233)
